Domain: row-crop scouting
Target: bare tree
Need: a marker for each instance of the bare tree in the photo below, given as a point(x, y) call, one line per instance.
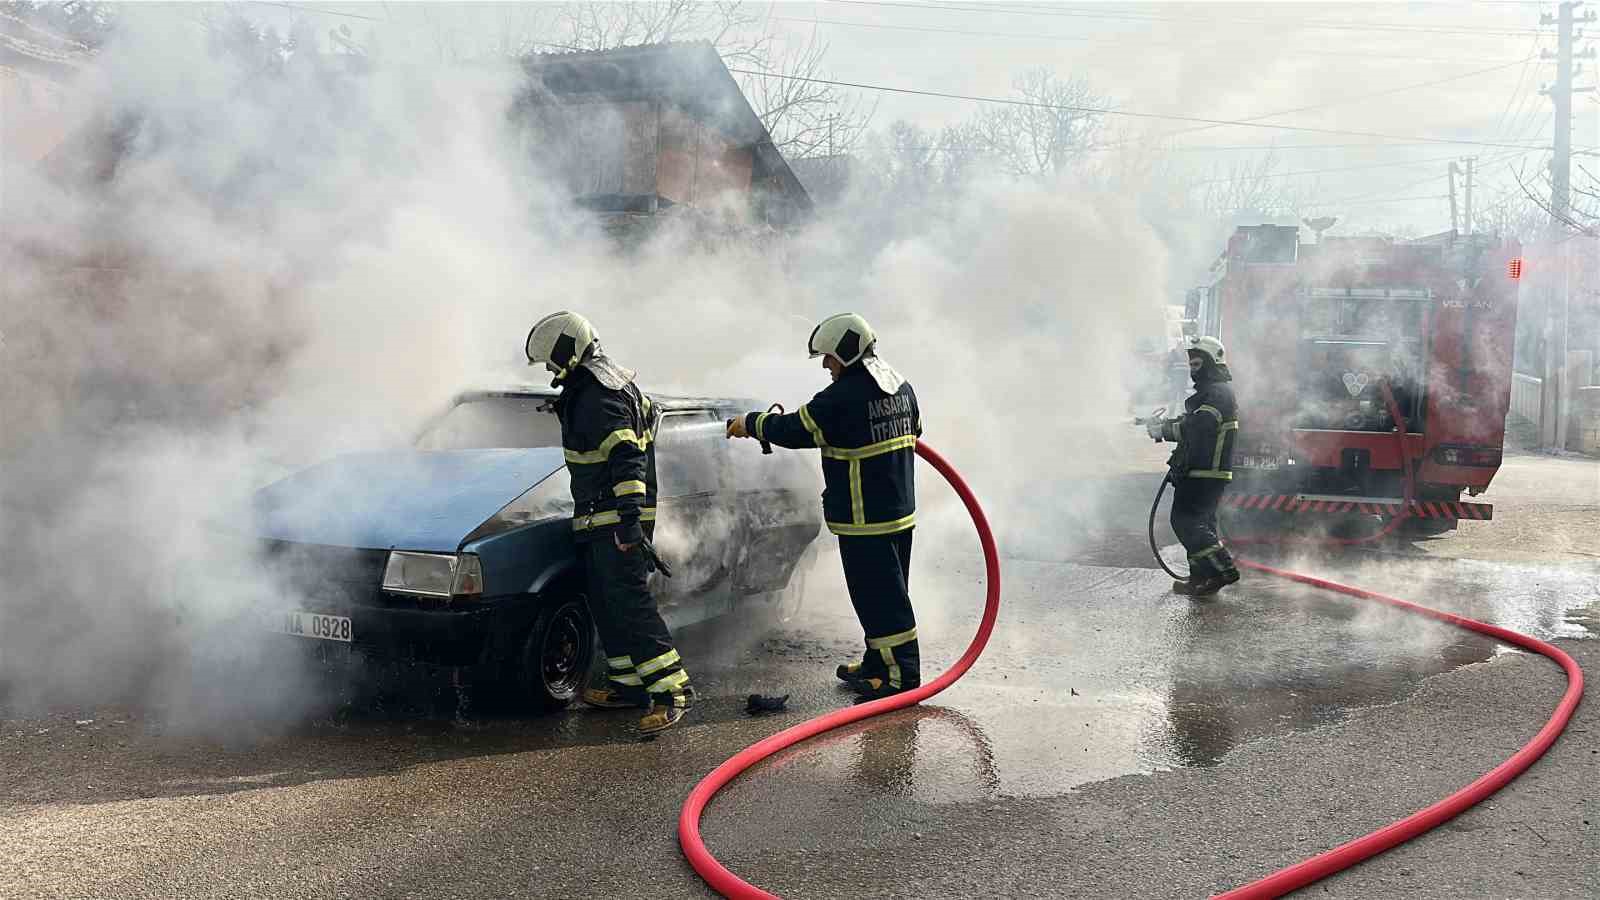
point(1583, 212)
point(1251, 188)
point(1512, 214)
point(727, 24)
point(806, 114)
point(785, 82)
point(1133, 165)
point(1047, 131)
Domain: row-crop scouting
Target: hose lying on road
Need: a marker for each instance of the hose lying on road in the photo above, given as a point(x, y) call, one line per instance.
point(1346, 855)
point(1343, 857)
point(718, 876)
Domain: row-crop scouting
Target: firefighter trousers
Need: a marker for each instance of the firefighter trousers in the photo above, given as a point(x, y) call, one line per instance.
point(1194, 520)
point(876, 570)
point(638, 646)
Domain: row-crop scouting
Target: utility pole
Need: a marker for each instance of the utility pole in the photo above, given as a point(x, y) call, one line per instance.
point(1561, 95)
point(1555, 401)
point(1455, 219)
point(1466, 227)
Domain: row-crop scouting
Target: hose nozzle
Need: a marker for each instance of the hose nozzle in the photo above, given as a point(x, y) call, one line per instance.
point(766, 447)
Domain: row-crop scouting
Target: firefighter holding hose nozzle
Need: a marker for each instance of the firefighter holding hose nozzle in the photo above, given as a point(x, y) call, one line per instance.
point(866, 424)
point(1201, 466)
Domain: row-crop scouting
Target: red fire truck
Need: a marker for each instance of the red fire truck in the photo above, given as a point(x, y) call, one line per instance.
point(1373, 375)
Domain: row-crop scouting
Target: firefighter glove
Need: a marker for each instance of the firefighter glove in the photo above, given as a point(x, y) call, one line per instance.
point(653, 559)
point(628, 533)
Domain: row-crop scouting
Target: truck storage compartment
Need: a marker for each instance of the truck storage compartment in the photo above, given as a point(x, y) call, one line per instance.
point(1351, 340)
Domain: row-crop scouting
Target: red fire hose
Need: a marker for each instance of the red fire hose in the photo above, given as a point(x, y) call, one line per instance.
point(1342, 857)
point(715, 874)
point(1276, 884)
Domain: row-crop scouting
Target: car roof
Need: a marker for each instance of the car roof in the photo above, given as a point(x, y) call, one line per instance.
point(529, 391)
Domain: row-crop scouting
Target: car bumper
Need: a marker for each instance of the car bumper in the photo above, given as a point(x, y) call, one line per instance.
point(461, 637)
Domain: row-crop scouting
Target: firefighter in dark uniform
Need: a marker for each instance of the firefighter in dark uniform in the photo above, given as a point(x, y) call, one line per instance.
point(607, 433)
point(1201, 467)
point(866, 423)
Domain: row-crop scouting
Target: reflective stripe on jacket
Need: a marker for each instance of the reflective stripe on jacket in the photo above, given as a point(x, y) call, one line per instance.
point(608, 438)
point(1205, 433)
point(867, 439)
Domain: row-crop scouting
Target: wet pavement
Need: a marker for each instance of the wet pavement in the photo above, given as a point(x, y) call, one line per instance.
point(1096, 672)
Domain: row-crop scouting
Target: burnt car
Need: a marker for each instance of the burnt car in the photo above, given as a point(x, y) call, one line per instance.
point(459, 552)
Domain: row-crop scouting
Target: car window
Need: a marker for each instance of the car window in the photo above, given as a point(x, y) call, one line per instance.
point(492, 422)
point(690, 448)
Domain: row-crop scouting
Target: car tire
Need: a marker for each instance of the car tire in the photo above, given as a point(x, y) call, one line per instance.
point(553, 657)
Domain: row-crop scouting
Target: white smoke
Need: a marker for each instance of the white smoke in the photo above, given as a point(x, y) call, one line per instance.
point(281, 269)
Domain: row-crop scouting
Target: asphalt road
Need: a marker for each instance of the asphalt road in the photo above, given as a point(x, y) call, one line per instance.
point(1115, 740)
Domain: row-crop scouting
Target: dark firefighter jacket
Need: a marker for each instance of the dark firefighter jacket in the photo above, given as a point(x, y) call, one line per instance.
point(608, 438)
point(1205, 432)
point(867, 438)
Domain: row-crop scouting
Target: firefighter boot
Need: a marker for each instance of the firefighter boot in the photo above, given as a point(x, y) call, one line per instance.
point(615, 696)
point(900, 669)
point(621, 689)
point(666, 710)
point(1185, 588)
point(1216, 583)
point(854, 673)
point(877, 688)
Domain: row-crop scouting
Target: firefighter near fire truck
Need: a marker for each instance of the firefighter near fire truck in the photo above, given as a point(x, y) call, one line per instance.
point(1200, 467)
point(608, 431)
point(866, 424)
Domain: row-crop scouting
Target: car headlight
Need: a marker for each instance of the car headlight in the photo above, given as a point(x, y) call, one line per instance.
point(433, 574)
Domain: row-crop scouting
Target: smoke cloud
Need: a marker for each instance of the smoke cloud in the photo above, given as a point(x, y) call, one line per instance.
point(227, 276)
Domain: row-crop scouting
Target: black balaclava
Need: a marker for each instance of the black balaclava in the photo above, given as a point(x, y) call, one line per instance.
point(1208, 371)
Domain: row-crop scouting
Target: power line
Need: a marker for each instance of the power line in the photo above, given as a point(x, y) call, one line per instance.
point(1079, 13)
point(1414, 184)
point(1345, 204)
point(1386, 165)
point(1194, 184)
point(1206, 148)
point(1370, 194)
point(1533, 53)
point(1101, 40)
point(1518, 123)
point(1098, 13)
point(1008, 101)
point(1273, 115)
point(327, 12)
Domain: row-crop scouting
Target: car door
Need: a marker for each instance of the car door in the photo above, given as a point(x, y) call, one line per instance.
point(696, 530)
point(774, 497)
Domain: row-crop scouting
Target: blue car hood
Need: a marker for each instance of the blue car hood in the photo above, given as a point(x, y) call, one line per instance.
point(403, 500)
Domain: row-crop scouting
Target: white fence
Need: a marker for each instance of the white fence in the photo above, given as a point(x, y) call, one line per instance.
point(1525, 396)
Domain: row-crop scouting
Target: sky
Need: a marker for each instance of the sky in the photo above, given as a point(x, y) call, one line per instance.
point(1462, 71)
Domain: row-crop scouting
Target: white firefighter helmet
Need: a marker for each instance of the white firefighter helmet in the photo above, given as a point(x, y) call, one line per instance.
point(1210, 348)
point(560, 339)
point(846, 337)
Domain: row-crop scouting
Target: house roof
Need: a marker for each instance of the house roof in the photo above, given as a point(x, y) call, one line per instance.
point(27, 45)
point(690, 75)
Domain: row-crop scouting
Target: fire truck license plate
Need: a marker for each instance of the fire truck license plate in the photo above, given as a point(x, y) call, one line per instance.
point(310, 625)
point(1257, 462)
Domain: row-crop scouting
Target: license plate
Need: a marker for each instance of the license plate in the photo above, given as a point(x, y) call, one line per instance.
point(310, 625)
point(1257, 462)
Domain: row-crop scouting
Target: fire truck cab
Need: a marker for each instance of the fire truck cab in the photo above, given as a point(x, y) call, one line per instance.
point(1369, 371)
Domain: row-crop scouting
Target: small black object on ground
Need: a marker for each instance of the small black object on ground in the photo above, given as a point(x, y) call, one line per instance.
point(759, 705)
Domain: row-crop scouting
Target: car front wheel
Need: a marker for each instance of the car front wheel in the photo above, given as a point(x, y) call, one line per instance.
point(555, 654)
